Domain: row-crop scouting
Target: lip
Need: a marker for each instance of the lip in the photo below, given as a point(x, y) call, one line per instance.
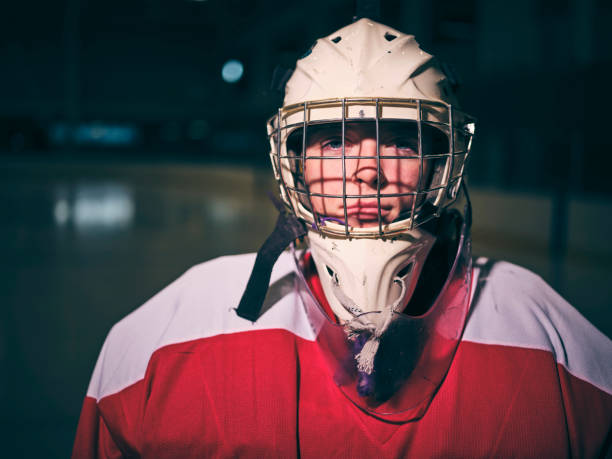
point(367, 210)
point(366, 204)
point(370, 211)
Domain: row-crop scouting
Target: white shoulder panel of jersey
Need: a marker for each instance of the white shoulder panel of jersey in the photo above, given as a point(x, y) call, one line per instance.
point(199, 304)
point(512, 306)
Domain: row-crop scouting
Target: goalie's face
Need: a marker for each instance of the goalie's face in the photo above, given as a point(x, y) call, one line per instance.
point(397, 175)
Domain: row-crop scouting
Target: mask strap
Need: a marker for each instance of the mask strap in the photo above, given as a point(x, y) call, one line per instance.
point(288, 228)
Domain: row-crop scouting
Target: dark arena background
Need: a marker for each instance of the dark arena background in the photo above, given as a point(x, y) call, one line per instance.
point(133, 146)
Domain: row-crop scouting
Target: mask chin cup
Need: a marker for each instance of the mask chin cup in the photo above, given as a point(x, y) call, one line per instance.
point(414, 353)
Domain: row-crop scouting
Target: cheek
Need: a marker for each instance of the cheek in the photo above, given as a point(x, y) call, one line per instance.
point(319, 174)
point(313, 173)
point(324, 176)
point(403, 172)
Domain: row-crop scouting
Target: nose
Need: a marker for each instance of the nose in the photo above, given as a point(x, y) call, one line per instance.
point(366, 169)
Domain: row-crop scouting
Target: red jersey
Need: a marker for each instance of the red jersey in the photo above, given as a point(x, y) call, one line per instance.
point(184, 376)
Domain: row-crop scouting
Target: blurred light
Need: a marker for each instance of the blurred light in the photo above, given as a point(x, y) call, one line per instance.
point(222, 211)
point(102, 206)
point(232, 71)
point(94, 134)
point(104, 134)
point(61, 212)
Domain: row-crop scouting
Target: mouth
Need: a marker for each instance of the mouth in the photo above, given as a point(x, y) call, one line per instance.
point(367, 213)
point(364, 217)
point(367, 210)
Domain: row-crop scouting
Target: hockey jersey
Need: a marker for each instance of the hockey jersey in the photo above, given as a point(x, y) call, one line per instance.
point(184, 376)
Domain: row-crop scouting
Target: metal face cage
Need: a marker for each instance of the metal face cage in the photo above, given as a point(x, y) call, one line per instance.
point(440, 165)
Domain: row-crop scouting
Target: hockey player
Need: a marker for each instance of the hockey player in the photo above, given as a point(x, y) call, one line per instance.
point(378, 336)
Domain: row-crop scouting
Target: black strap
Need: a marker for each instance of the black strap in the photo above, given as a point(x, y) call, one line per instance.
point(288, 228)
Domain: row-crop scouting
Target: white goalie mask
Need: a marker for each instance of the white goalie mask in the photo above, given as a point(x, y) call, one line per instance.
point(369, 151)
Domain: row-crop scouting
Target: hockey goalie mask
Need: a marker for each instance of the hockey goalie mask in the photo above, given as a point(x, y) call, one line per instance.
point(369, 150)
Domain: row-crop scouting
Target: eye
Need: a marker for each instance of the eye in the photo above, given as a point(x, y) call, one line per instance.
point(332, 144)
point(405, 146)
